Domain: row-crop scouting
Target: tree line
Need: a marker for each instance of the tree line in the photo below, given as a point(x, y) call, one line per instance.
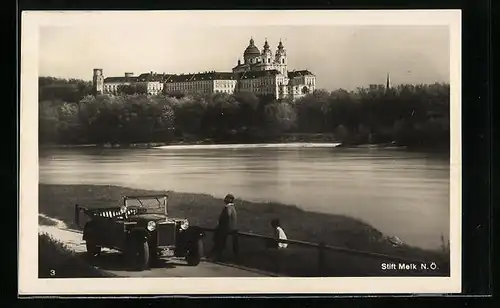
point(412, 115)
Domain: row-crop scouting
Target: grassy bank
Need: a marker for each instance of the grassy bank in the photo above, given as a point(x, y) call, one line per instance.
point(56, 261)
point(45, 221)
point(58, 201)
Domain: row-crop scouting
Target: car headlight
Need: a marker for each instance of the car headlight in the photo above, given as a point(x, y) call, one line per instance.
point(184, 225)
point(151, 225)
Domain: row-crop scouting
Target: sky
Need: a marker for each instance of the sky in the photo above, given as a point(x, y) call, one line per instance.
point(341, 56)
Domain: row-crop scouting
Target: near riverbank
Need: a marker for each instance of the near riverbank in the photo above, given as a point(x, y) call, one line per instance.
point(58, 201)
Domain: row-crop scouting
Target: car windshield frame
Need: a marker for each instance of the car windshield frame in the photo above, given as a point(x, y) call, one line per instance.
point(162, 202)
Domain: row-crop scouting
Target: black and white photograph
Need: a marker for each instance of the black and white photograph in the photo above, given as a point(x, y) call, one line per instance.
point(294, 151)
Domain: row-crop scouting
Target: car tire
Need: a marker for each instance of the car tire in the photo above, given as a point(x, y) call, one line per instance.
point(92, 249)
point(195, 253)
point(138, 255)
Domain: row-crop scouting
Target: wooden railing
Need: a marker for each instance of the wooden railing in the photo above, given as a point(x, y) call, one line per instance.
point(322, 248)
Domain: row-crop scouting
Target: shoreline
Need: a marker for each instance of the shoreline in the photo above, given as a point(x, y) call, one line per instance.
point(204, 145)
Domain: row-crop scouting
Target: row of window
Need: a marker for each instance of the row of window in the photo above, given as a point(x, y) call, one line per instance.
point(224, 91)
point(258, 60)
point(208, 90)
point(262, 91)
point(267, 83)
point(155, 87)
point(226, 85)
point(252, 86)
point(188, 86)
point(115, 91)
point(198, 82)
point(112, 86)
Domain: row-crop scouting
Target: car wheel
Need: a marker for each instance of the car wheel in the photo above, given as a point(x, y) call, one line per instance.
point(154, 261)
point(138, 255)
point(194, 253)
point(92, 249)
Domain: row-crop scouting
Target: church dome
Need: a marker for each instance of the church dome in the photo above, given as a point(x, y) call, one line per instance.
point(251, 50)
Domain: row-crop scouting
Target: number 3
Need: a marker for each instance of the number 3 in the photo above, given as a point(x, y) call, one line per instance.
point(52, 272)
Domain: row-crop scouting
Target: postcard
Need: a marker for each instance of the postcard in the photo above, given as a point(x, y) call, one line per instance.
point(240, 152)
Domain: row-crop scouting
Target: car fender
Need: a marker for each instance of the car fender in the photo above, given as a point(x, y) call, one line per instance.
point(88, 231)
point(195, 233)
point(139, 234)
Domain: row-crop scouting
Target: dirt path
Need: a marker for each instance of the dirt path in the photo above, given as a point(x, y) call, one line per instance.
point(110, 261)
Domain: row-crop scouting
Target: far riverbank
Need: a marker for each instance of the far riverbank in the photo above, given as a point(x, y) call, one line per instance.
point(150, 145)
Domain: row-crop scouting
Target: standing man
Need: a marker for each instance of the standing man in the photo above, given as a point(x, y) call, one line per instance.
point(227, 226)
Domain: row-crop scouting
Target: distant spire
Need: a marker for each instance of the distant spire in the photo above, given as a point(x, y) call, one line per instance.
point(388, 83)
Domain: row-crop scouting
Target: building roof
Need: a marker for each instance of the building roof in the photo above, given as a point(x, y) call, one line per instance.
point(120, 79)
point(251, 66)
point(293, 74)
point(258, 74)
point(201, 76)
point(151, 77)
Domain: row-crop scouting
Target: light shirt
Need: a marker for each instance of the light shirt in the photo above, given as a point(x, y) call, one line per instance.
point(280, 234)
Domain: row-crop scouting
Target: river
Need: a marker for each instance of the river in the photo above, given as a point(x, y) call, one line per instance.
point(398, 192)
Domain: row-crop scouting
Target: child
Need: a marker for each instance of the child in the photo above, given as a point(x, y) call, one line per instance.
point(279, 234)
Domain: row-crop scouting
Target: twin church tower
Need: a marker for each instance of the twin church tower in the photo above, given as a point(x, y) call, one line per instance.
point(254, 60)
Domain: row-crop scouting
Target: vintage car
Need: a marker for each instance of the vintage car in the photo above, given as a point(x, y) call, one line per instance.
point(142, 229)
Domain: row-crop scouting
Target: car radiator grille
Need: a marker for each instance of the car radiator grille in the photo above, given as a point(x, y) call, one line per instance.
point(166, 234)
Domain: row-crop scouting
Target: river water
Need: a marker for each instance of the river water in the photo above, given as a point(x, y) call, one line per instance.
point(398, 192)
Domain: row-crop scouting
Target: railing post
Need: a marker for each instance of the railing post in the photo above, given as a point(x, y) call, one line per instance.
point(77, 215)
point(321, 258)
point(236, 244)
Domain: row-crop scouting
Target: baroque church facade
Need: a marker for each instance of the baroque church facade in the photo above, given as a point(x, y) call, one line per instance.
point(263, 73)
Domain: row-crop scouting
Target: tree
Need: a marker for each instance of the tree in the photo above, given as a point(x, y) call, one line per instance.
point(72, 90)
point(414, 115)
point(48, 123)
point(189, 114)
point(280, 117)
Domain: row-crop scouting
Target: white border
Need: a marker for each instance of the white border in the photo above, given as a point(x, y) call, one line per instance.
point(30, 284)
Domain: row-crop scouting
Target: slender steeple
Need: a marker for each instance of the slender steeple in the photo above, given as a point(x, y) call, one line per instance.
point(266, 44)
point(280, 45)
point(387, 83)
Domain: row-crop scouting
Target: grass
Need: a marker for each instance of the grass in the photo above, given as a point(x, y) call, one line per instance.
point(56, 261)
point(337, 230)
point(43, 221)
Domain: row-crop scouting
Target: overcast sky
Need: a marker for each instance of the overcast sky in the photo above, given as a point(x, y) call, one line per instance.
point(340, 56)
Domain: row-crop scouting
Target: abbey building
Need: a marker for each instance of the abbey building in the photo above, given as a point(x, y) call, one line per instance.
point(262, 72)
